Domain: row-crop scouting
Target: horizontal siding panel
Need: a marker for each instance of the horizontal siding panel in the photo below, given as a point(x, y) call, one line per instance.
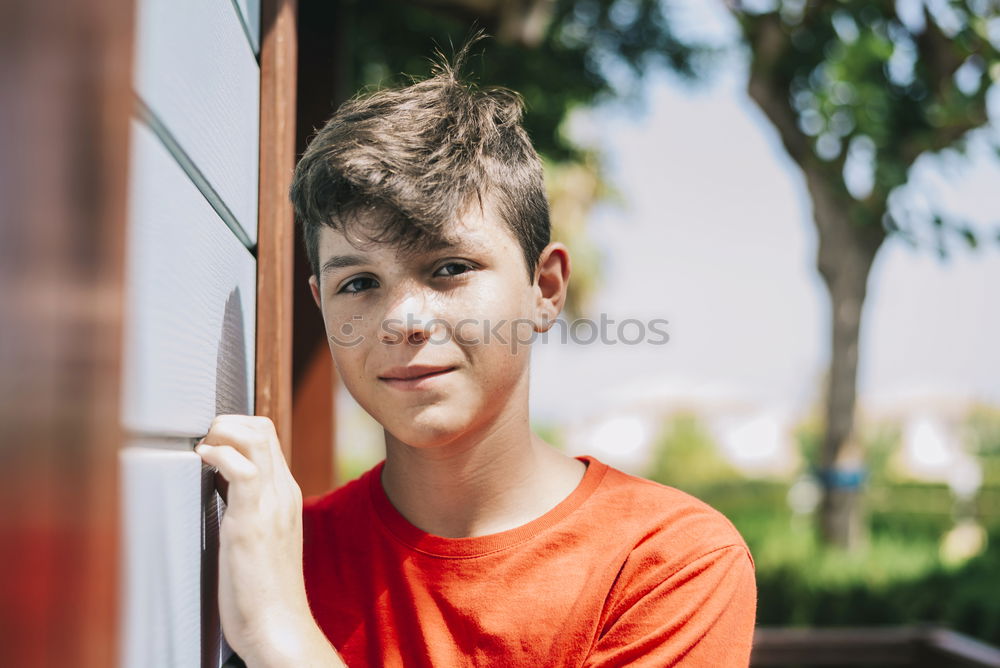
point(197, 73)
point(161, 557)
point(170, 541)
point(191, 302)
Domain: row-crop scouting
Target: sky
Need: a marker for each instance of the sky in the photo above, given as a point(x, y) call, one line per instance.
point(715, 236)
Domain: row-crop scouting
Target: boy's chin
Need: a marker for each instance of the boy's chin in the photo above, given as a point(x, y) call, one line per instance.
point(428, 433)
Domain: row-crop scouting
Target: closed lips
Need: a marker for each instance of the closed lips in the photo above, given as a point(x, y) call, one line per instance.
point(414, 372)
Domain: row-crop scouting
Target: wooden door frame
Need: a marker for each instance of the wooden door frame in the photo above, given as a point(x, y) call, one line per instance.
point(275, 228)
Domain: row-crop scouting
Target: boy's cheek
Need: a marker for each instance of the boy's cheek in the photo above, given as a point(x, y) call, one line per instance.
point(469, 332)
point(509, 337)
point(347, 331)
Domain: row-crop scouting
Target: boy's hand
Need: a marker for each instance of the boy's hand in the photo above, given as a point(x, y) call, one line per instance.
point(262, 598)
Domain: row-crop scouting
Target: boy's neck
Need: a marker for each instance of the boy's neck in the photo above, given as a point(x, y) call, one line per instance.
point(496, 479)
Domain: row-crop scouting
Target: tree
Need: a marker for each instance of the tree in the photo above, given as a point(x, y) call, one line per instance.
point(852, 87)
point(870, 86)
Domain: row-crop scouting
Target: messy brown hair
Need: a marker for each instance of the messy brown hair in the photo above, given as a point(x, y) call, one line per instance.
point(416, 158)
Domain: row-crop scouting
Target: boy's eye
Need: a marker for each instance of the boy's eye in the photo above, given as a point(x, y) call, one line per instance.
point(452, 269)
point(359, 284)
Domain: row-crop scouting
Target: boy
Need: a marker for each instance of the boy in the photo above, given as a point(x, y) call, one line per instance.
point(474, 543)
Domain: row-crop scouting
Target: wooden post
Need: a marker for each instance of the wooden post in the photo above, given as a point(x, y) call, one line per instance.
point(276, 231)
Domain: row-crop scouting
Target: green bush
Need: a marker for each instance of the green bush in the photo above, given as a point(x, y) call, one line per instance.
point(891, 582)
point(897, 577)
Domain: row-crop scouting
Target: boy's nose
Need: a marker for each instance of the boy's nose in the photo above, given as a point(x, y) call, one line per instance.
point(409, 320)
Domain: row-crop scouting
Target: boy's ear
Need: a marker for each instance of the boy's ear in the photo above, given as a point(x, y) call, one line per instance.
point(314, 288)
point(551, 282)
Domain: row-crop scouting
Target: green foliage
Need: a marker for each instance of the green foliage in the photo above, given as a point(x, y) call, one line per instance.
point(893, 581)
point(685, 456)
point(867, 83)
point(809, 436)
point(550, 433)
point(897, 577)
point(879, 440)
point(573, 189)
point(982, 430)
point(572, 64)
point(981, 434)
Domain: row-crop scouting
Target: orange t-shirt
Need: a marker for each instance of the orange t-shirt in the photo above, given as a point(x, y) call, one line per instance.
point(624, 571)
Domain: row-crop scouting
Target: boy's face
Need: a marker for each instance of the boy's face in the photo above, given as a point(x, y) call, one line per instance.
point(435, 344)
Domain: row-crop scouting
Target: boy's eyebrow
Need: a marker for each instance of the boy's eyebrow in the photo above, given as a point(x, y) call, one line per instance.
point(340, 261)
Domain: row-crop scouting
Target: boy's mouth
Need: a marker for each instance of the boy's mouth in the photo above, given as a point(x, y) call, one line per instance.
point(413, 377)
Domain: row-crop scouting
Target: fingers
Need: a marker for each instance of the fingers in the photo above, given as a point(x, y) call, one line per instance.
point(255, 438)
point(281, 474)
point(235, 468)
point(266, 428)
point(242, 433)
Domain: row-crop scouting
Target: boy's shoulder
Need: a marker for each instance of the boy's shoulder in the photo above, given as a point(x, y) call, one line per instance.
point(659, 518)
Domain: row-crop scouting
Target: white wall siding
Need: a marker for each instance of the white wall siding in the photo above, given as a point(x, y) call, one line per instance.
point(161, 558)
point(196, 71)
point(190, 299)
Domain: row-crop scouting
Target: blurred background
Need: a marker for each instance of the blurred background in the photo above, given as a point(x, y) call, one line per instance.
point(806, 191)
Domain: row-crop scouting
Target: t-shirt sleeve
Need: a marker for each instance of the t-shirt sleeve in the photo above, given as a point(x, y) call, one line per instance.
point(701, 614)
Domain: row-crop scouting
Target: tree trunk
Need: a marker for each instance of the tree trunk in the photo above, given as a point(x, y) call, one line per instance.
point(846, 251)
point(841, 456)
point(845, 256)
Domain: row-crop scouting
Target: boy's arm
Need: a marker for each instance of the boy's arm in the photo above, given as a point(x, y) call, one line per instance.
point(700, 615)
point(262, 597)
point(301, 643)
